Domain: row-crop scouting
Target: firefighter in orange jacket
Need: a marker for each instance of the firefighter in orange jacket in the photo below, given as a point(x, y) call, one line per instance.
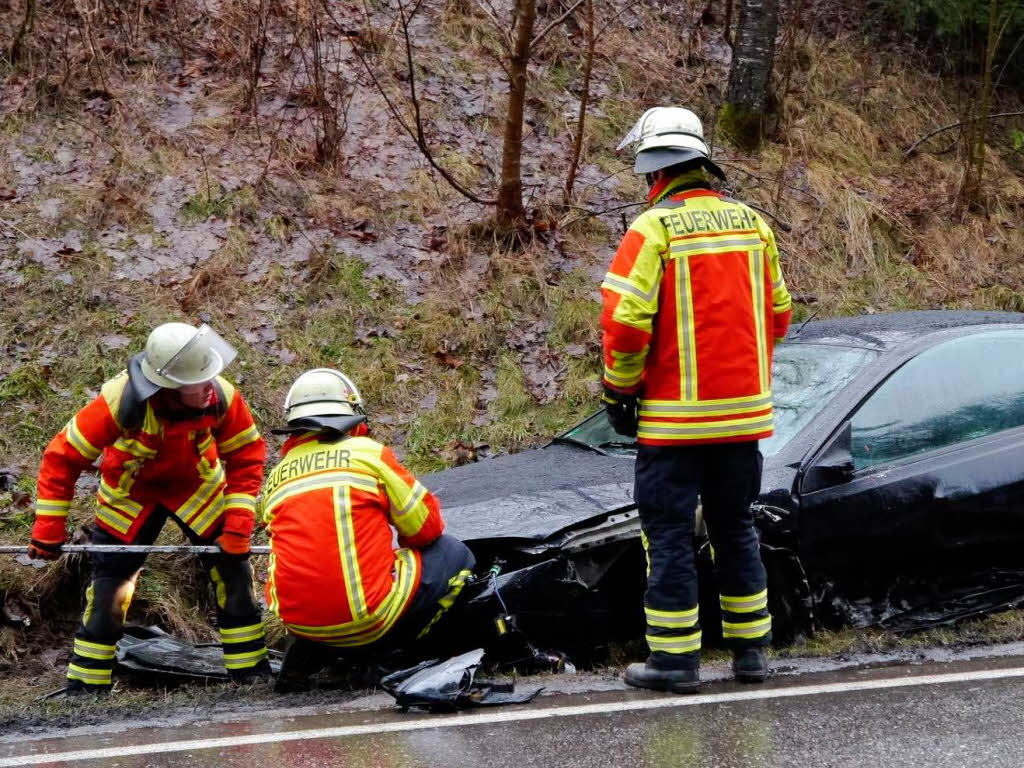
point(693, 302)
point(175, 440)
point(331, 507)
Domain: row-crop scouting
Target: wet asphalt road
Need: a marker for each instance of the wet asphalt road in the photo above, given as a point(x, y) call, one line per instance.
point(968, 714)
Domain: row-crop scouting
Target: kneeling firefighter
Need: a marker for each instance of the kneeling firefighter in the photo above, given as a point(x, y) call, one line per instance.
point(177, 441)
point(336, 580)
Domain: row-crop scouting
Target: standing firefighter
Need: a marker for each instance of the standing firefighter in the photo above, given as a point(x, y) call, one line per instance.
point(693, 302)
point(331, 507)
point(177, 441)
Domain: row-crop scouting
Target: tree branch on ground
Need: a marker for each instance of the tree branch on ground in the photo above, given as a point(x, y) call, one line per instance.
point(959, 124)
point(415, 131)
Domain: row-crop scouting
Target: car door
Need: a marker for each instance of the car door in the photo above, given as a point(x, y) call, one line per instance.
point(926, 476)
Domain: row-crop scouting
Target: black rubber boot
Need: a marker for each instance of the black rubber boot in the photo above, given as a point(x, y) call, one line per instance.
point(750, 665)
point(674, 680)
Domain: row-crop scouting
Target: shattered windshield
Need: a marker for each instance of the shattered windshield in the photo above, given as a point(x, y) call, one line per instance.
point(805, 378)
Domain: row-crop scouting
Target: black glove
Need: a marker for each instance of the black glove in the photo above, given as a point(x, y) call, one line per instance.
point(622, 412)
point(44, 550)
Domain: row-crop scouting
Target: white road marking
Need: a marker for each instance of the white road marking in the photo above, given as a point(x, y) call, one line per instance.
point(509, 716)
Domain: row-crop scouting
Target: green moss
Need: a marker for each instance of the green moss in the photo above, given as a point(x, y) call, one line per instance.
point(743, 127)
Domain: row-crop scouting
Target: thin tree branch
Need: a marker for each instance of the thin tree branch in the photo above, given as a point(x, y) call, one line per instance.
point(615, 18)
point(910, 150)
point(417, 135)
point(492, 17)
point(543, 33)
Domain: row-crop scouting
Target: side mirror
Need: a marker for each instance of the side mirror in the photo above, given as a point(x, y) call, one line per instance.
point(833, 467)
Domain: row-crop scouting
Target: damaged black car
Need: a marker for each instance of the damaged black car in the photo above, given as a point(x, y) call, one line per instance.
point(892, 493)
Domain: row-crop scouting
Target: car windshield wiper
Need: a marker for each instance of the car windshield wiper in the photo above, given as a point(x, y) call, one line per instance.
point(618, 444)
point(579, 443)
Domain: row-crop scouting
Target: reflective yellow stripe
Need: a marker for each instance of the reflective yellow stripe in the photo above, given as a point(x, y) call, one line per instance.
point(78, 441)
point(244, 660)
point(725, 428)
point(114, 518)
point(679, 644)
point(709, 243)
point(671, 619)
point(240, 500)
point(94, 650)
point(119, 501)
point(93, 676)
point(206, 490)
point(346, 533)
point(748, 604)
point(304, 484)
point(418, 492)
point(620, 285)
point(621, 380)
point(240, 440)
point(52, 508)
point(757, 294)
point(241, 634)
point(202, 523)
point(686, 331)
point(135, 448)
point(706, 407)
point(747, 629)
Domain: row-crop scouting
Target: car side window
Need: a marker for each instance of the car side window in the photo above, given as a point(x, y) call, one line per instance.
point(956, 391)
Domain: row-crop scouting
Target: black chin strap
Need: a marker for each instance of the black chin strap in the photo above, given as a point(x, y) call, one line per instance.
point(338, 424)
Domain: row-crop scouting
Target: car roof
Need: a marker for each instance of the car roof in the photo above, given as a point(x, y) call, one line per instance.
point(887, 331)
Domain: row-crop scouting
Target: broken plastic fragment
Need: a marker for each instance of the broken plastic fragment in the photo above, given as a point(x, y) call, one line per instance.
point(451, 684)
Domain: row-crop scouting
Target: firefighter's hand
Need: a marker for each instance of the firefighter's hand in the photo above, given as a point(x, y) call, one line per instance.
point(44, 550)
point(234, 544)
point(622, 413)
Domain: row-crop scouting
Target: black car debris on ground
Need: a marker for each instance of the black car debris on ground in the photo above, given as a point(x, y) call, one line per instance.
point(892, 494)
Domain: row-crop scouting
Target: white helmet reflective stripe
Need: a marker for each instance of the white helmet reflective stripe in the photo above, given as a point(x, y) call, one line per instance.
point(178, 355)
point(322, 392)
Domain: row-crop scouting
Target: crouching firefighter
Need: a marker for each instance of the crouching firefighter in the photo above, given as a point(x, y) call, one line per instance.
point(175, 440)
point(336, 581)
point(693, 302)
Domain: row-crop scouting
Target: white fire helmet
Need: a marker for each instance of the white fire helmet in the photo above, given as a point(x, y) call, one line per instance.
point(322, 392)
point(666, 136)
point(178, 355)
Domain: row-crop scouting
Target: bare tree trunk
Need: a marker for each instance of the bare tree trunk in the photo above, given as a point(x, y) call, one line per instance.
point(510, 191)
point(23, 31)
point(588, 66)
point(970, 189)
point(747, 101)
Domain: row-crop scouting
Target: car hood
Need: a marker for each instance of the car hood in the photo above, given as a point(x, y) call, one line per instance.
point(533, 494)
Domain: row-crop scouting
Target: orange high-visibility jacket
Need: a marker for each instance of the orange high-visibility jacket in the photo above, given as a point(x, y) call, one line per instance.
point(329, 506)
point(204, 469)
point(693, 302)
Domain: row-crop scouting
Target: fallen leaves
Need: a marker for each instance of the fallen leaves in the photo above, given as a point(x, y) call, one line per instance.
point(456, 453)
